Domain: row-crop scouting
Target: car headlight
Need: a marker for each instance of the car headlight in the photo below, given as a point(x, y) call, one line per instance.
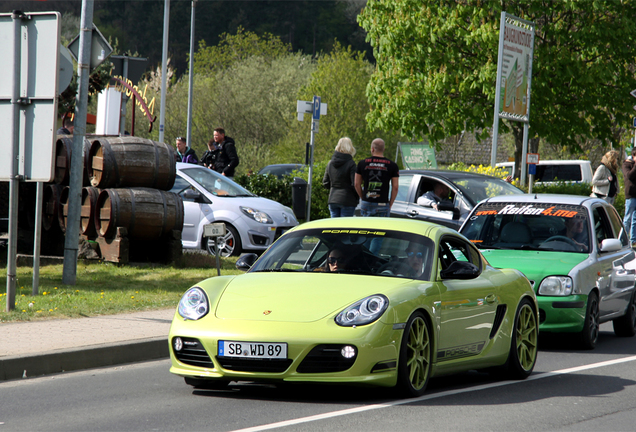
point(257, 215)
point(363, 312)
point(194, 304)
point(556, 286)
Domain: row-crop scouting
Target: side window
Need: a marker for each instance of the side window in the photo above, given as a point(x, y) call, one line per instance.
point(602, 227)
point(617, 226)
point(454, 249)
point(180, 186)
point(404, 183)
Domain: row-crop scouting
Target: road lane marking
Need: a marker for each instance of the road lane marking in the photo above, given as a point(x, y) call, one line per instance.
point(360, 409)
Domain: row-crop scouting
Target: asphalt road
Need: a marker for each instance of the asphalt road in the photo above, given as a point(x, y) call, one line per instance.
point(570, 390)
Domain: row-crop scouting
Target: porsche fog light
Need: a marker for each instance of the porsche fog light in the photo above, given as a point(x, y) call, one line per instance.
point(194, 304)
point(556, 286)
point(363, 312)
point(348, 351)
point(177, 344)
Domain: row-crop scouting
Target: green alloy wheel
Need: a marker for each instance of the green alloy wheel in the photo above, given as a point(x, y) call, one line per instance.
point(523, 349)
point(415, 356)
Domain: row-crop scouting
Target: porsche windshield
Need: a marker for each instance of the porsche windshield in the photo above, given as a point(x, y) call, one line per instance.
point(347, 250)
point(554, 227)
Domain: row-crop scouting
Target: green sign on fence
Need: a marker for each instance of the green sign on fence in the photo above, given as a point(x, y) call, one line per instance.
point(417, 155)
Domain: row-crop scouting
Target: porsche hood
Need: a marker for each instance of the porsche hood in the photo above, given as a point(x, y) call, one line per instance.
point(289, 297)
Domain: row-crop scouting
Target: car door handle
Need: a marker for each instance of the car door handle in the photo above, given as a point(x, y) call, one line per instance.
point(491, 298)
point(412, 213)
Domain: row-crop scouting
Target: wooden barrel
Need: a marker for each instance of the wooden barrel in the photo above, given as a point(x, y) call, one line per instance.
point(117, 162)
point(145, 213)
point(62, 214)
point(89, 206)
point(63, 154)
point(50, 205)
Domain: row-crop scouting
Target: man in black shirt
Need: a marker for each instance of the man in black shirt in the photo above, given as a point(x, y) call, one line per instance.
point(226, 158)
point(377, 182)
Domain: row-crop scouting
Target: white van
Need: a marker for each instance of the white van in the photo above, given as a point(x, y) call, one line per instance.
point(569, 171)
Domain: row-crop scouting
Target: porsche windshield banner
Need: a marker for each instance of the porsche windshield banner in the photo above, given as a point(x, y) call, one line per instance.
point(514, 70)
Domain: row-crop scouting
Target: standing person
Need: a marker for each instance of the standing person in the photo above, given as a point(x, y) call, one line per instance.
point(377, 182)
point(605, 180)
point(209, 157)
point(629, 178)
point(67, 127)
point(226, 159)
point(184, 153)
point(339, 178)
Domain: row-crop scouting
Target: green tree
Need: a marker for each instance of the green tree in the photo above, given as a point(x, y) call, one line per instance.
point(340, 79)
point(437, 65)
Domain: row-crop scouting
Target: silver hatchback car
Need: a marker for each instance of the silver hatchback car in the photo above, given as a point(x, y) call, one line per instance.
point(252, 222)
point(575, 253)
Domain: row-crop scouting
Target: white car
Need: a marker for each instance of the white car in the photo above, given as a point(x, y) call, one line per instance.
point(252, 222)
point(549, 171)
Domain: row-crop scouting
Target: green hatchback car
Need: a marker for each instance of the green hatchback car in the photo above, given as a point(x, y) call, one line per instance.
point(573, 250)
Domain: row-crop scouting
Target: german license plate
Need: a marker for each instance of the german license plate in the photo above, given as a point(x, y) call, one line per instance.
point(262, 350)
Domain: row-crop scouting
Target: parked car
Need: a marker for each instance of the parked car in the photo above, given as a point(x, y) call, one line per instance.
point(375, 301)
point(280, 170)
point(466, 190)
point(252, 222)
point(574, 251)
point(549, 171)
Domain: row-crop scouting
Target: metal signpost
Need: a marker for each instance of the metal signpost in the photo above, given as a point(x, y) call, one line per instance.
point(316, 108)
point(532, 160)
point(216, 230)
point(28, 108)
point(514, 79)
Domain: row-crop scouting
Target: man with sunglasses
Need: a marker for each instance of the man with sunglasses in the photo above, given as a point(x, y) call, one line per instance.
point(415, 259)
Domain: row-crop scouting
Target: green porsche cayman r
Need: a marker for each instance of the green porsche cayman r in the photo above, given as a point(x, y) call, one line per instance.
point(371, 301)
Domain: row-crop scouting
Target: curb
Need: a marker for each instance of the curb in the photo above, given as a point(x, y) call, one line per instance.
point(83, 358)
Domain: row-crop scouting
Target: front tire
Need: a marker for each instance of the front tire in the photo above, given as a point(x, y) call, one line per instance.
point(414, 363)
point(625, 326)
point(229, 244)
point(524, 342)
point(589, 334)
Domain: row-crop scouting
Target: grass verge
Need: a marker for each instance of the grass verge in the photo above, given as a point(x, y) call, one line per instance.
point(106, 288)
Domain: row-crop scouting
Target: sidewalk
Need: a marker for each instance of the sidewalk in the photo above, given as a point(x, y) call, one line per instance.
point(35, 348)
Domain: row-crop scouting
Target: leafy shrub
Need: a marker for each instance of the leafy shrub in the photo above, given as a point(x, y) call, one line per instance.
point(280, 190)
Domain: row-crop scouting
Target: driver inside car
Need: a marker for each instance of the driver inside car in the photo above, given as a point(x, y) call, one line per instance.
point(577, 232)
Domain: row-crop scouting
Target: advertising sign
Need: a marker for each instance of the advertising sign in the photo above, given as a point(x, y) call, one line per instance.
point(417, 155)
point(515, 68)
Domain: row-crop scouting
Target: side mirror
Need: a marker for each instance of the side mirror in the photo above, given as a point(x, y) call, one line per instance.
point(192, 194)
point(246, 262)
point(446, 205)
point(611, 245)
point(460, 270)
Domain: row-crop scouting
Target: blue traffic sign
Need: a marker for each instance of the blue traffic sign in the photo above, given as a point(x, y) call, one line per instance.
point(316, 113)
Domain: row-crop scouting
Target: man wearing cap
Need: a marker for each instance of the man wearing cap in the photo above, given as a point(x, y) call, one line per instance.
point(184, 153)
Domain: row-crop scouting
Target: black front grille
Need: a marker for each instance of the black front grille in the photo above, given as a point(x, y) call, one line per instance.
point(254, 365)
point(193, 353)
point(541, 316)
point(326, 358)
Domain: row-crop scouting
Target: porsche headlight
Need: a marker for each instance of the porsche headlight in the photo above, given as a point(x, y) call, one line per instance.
point(363, 312)
point(556, 286)
point(194, 304)
point(257, 215)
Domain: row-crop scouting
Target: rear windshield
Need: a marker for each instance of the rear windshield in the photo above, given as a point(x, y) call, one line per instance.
point(555, 227)
point(548, 173)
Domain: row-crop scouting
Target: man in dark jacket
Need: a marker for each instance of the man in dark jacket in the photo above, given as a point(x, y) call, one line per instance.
point(629, 178)
point(184, 153)
point(226, 159)
point(67, 127)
